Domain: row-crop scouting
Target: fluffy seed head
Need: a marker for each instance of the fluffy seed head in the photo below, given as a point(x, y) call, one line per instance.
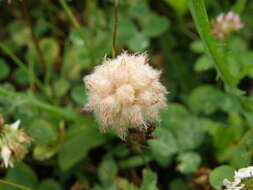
point(125, 93)
point(225, 24)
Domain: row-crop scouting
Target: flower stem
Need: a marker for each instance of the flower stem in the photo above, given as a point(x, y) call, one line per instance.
point(116, 20)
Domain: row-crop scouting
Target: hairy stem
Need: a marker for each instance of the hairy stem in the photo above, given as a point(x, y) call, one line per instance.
point(199, 14)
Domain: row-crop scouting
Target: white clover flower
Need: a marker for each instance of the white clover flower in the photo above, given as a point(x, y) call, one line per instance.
point(242, 180)
point(225, 24)
point(13, 143)
point(125, 93)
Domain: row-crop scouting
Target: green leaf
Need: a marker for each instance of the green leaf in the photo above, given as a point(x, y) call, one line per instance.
point(240, 157)
point(221, 141)
point(75, 60)
point(21, 76)
point(199, 14)
point(219, 174)
point(197, 46)
point(226, 145)
point(42, 26)
point(124, 184)
point(126, 29)
point(21, 174)
point(134, 161)
point(180, 5)
point(42, 132)
point(139, 42)
point(230, 103)
point(81, 139)
point(76, 39)
point(19, 32)
point(234, 67)
point(49, 184)
point(78, 94)
point(154, 25)
point(138, 10)
point(236, 124)
point(61, 87)
point(188, 162)
point(50, 49)
point(5, 69)
point(191, 126)
point(149, 180)
point(41, 152)
point(203, 64)
point(164, 145)
point(205, 99)
point(236, 44)
point(173, 114)
point(164, 161)
point(178, 184)
point(107, 171)
point(103, 45)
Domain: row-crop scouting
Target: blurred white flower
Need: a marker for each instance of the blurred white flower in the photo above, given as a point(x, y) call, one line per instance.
point(225, 24)
point(6, 153)
point(13, 143)
point(15, 125)
point(125, 93)
point(244, 173)
point(240, 181)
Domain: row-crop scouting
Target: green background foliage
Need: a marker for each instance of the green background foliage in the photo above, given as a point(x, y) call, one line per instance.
point(207, 125)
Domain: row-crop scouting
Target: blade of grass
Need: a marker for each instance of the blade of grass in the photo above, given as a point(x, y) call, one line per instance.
point(78, 27)
point(21, 65)
point(239, 6)
point(73, 19)
point(199, 14)
point(52, 109)
point(70, 14)
point(14, 185)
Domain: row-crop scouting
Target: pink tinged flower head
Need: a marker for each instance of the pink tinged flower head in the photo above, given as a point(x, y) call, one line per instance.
point(99, 83)
point(225, 24)
point(124, 93)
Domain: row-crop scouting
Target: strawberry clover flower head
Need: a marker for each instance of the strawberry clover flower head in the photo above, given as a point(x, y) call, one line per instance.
point(13, 143)
point(125, 93)
point(225, 24)
point(243, 180)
